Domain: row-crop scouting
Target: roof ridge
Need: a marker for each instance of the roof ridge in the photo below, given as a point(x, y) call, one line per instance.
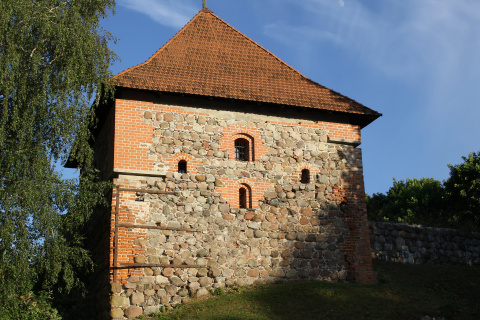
point(208, 11)
point(267, 51)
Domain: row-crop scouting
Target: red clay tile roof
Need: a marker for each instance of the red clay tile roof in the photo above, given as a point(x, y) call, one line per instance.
point(208, 57)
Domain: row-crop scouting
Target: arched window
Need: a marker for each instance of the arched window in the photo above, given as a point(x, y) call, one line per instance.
point(244, 197)
point(305, 178)
point(241, 149)
point(182, 166)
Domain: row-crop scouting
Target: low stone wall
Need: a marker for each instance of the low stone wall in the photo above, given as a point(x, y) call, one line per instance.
point(404, 243)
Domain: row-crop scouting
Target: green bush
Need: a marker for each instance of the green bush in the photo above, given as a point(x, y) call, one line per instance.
point(30, 307)
point(454, 203)
point(463, 190)
point(420, 201)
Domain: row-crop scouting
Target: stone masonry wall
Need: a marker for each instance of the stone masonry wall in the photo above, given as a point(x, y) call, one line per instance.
point(291, 230)
point(404, 243)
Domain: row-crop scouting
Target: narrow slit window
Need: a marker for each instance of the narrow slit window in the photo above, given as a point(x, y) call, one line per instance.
point(305, 178)
point(182, 166)
point(241, 149)
point(242, 198)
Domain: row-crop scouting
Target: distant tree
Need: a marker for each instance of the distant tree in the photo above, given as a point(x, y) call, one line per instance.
point(420, 201)
point(376, 205)
point(453, 203)
point(417, 201)
point(53, 60)
point(463, 189)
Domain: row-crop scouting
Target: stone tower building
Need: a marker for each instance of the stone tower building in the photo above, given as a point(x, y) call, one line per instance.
point(230, 168)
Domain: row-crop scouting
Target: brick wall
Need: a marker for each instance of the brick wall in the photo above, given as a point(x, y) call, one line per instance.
point(132, 136)
point(130, 212)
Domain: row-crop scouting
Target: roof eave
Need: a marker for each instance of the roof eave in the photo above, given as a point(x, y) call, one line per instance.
point(357, 118)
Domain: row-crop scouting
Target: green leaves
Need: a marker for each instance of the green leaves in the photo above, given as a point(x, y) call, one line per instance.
point(463, 189)
point(54, 60)
point(54, 57)
point(453, 203)
point(411, 201)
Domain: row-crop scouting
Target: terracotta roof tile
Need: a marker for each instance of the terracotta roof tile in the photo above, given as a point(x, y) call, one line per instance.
point(208, 57)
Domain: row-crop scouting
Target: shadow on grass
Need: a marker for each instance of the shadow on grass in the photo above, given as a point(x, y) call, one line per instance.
point(407, 292)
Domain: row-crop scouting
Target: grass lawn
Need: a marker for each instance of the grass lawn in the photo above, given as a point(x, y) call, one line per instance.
point(404, 292)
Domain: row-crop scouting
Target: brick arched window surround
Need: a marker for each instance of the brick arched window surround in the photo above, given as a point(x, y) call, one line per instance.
point(182, 166)
point(175, 162)
point(231, 191)
point(244, 196)
point(305, 176)
point(244, 148)
point(252, 135)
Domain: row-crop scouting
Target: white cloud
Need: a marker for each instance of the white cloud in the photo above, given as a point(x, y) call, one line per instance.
point(408, 39)
point(288, 34)
point(170, 13)
point(341, 3)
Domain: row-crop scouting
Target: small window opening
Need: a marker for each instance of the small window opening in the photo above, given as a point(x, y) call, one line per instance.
point(182, 166)
point(243, 197)
point(305, 176)
point(241, 149)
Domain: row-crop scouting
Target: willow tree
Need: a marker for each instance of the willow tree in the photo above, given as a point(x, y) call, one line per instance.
point(54, 59)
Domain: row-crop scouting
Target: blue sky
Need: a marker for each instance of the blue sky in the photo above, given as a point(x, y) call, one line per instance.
point(415, 61)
